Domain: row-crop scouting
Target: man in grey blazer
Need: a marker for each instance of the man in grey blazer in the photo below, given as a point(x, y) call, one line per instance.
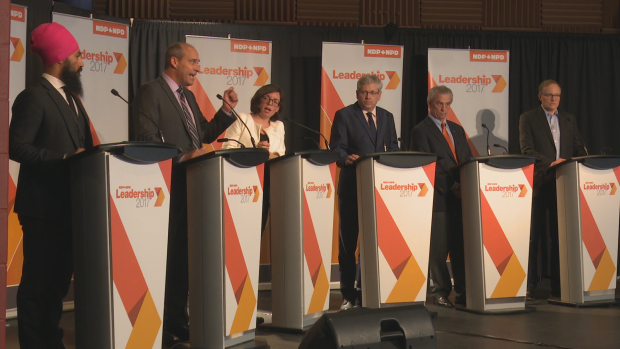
point(170, 105)
point(49, 124)
point(436, 134)
point(551, 136)
point(359, 129)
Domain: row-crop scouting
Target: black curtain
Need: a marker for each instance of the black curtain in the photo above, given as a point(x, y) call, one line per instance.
point(583, 64)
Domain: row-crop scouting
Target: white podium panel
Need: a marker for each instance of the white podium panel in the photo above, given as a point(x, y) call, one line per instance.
point(588, 218)
point(302, 218)
point(395, 214)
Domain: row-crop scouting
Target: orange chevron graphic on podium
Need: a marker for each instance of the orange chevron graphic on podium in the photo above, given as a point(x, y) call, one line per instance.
point(409, 276)
point(501, 253)
point(595, 245)
point(314, 260)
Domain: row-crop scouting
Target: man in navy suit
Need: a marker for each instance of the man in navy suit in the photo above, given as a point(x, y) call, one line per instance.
point(359, 129)
point(437, 135)
point(552, 137)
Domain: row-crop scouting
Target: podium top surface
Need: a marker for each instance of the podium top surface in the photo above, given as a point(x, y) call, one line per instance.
point(134, 152)
point(241, 157)
point(317, 157)
point(501, 161)
point(598, 162)
point(401, 159)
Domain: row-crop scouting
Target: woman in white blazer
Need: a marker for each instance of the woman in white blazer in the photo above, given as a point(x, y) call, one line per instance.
point(263, 122)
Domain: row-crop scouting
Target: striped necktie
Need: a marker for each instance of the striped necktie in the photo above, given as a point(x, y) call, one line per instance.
point(189, 122)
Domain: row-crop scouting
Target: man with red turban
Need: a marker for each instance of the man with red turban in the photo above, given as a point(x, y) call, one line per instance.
point(49, 124)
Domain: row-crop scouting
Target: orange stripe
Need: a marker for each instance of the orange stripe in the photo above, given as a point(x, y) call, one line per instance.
point(617, 173)
point(590, 232)
point(332, 171)
point(390, 239)
point(312, 251)
point(96, 140)
point(430, 173)
point(260, 169)
point(126, 271)
point(166, 171)
point(528, 171)
point(330, 99)
point(235, 260)
point(494, 237)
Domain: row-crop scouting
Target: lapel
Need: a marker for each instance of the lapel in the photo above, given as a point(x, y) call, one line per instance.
point(361, 117)
point(173, 98)
point(434, 130)
point(63, 107)
point(543, 124)
point(381, 125)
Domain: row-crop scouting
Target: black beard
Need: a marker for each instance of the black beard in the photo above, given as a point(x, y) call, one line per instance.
point(72, 80)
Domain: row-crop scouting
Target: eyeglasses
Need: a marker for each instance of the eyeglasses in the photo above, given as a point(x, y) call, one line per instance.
point(269, 100)
point(366, 93)
point(549, 95)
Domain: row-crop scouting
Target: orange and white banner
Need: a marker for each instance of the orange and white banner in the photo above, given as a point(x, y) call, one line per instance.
point(139, 206)
point(404, 206)
point(479, 81)
point(242, 64)
point(17, 84)
point(318, 218)
point(600, 207)
point(243, 203)
point(506, 206)
point(344, 64)
point(105, 50)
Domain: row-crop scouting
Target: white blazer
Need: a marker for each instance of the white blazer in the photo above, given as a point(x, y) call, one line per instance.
point(237, 131)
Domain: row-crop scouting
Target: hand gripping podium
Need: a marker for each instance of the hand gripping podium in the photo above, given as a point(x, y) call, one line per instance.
point(395, 205)
point(224, 205)
point(302, 223)
point(496, 194)
point(588, 218)
point(120, 198)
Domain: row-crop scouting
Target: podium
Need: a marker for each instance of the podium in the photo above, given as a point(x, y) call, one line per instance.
point(224, 205)
point(302, 220)
point(395, 204)
point(496, 194)
point(588, 218)
point(120, 198)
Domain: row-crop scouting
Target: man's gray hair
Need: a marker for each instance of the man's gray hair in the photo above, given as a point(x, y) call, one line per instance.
point(369, 79)
point(438, 89)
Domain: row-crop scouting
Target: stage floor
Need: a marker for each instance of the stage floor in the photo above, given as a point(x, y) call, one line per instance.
point(549, 326)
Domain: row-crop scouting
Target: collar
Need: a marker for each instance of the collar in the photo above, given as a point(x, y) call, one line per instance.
point(56, 82)
point(437, 121)
point(173, 85)
point(548, 114)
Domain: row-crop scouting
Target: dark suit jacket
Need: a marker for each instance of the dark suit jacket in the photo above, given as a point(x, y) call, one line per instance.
point(351, 135)
point(157, 100)
point(43, 129)
point(427, 137)
point(536, 140)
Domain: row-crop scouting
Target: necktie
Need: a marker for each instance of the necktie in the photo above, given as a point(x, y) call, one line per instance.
point(80, 126)
point(373, 129)
point(189, 123)
point(444, 130)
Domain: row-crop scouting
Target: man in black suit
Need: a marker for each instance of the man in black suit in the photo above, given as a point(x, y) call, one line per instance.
point(49, 124)
point(435, 134)
point(552, 137)
point(359, 129)
point(170, 105)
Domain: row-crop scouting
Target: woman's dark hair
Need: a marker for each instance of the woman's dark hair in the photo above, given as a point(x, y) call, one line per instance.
point(260, 93)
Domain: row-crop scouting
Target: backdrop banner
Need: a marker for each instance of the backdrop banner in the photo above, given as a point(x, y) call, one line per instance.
point(242, 64)
point(17, 83)
point(479, 81)
point(105, 48)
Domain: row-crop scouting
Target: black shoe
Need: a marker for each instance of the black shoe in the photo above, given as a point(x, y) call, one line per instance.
point(442, 301)
point(460, 301)
point(529, 296)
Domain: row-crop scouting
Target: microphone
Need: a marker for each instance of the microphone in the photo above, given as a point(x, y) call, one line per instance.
point(308, 128)
point(605, 149)
point(488, 148)
point(161, 135)
point(222, 140)
point(501, 146)
point(219, 96)
point(402, 144)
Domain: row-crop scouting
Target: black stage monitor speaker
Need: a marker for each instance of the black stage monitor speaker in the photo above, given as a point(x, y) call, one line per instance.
point(407, 327)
